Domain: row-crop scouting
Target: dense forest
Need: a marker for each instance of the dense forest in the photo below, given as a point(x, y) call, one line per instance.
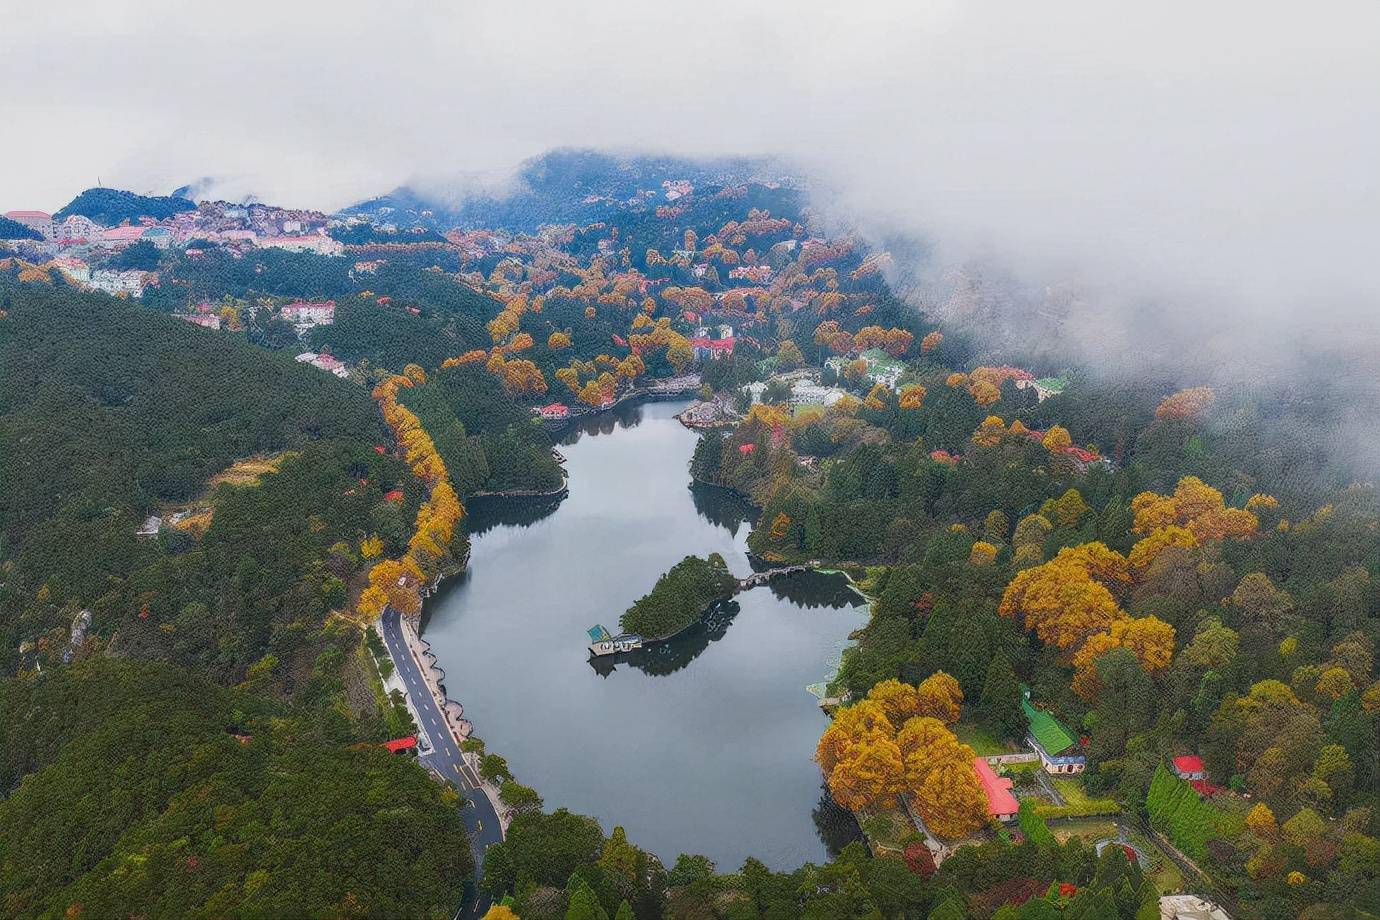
point(148, 791)
point(679, 597)
point(13, 230)
point(111, 206)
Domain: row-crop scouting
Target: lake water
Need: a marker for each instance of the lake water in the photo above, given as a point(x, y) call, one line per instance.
point(704, 745)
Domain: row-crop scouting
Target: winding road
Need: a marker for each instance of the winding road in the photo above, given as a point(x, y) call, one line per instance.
point(481, 821)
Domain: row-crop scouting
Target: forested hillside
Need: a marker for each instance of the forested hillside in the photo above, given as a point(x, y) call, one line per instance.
point(148, 791)
point(110, 412)
point(111, 206)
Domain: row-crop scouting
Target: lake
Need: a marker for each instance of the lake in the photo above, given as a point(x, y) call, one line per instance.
point(703, 745)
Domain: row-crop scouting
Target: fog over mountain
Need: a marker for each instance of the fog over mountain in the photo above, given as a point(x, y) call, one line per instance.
point(1175, 180)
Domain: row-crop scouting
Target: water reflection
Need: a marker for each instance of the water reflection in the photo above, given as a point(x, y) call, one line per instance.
point(670, 657)
point(804, 590)
point(815, 589)
point(626, 415)
point(722, 507)
point(487, 512)
point(835, 824)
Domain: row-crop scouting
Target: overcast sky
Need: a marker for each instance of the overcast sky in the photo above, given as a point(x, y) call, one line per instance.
point(1223, 152)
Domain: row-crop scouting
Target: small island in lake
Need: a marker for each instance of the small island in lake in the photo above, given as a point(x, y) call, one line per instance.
point(679, 597)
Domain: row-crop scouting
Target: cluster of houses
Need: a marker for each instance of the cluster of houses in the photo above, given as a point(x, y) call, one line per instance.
point(713, 343)
point(75, 242)
point(805, 390)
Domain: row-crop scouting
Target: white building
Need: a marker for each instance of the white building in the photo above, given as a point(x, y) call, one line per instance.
point(205, 320)
point(77, 227)
point(325, 362)
point(305, 314)
point(812, 394)
point(130, 283)
point(1190, 907)
point(321, 245)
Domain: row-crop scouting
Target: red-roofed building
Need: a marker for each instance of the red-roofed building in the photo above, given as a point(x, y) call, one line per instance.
point(122, 236)
point(1001, 804)
point(713, 349)
point(396, 495)
point(746, 449)
point(554, 412)
point(1189, 767)
point(39, 221)
point(401, 744)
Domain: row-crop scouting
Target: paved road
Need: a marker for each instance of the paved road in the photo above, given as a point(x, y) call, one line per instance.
point(480, 819)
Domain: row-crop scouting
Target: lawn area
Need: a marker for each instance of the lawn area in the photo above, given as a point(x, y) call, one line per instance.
point(979, 739)
point(1163, 872)
point(888, 829)
point(1080, 804)
point(1089, 829)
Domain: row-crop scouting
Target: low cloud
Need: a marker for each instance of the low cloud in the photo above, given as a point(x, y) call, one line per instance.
point(1191, 181)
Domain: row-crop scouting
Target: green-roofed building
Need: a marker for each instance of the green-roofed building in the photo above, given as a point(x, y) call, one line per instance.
point(1059, 750)
point(1045, 387)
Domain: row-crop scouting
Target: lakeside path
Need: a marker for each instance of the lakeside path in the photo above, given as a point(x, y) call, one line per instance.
point(480, 818)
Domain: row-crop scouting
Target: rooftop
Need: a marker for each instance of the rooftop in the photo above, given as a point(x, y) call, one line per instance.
point(1000, 801)
point(1046, 730)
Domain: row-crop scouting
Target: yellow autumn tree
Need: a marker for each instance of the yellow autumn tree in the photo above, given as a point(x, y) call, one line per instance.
point(940, 696)
point(1262, 823)
point(1057, 439)
point(371, 546)
point(912, 396)
point(899, 700)
point(1195, 506)
point(982, 553)
point(1149, 638)
point(990, 432)
point(951, 800)
point(1067, 599)
point(1146, 550)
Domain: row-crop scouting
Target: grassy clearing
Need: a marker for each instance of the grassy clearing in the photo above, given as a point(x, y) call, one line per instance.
point(888, 829)
point(1079, 804)
point(196, 523)
point(1163, 871)
point(247, 472)
point(983, 743)
point(1089, 829)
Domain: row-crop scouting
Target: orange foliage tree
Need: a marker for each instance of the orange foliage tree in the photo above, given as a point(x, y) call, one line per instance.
point(1191, 403)
point(1196, 506)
